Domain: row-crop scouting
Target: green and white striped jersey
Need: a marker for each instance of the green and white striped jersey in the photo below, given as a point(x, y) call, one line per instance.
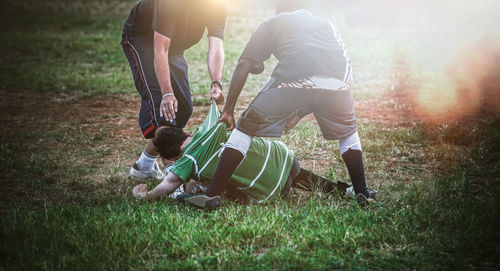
point(262, 173)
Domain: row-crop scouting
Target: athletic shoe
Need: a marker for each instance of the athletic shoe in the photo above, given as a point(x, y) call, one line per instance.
point(372, 193)
point(350, 191)
point(177, 192)
point(363, 200)
point(203, 201)
point(139, 175)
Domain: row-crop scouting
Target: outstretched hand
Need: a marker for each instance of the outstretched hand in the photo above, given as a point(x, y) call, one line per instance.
point(228, 118)
point(140, 191)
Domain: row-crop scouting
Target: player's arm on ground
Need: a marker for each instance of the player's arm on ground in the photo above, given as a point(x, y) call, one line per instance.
point(238, 80)
point(168, 106)
point(215, 63)
point(165, 188)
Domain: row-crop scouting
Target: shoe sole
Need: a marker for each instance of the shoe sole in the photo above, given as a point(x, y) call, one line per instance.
point(202, 202)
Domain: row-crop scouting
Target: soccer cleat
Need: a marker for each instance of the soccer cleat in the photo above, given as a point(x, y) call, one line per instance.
point(363, 200)
point(350, 191)
point(177, 192)
point(204, 201)
point(200, 200)
point(343, 187)
point(139, 175)
point(372, 193)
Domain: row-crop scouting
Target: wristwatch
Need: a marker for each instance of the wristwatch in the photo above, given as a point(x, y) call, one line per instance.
point(218, 83)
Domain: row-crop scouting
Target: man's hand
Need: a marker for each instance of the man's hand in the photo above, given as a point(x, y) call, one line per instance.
point(140, 191)
point(228, 118)
point(168, 107)
point(216, 94)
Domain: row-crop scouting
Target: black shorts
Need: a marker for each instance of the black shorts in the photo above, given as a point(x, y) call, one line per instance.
point(139, 53)
point(267, 114)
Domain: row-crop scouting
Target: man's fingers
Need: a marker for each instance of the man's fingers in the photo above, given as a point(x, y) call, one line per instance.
point(170, 113)
point(168, 108)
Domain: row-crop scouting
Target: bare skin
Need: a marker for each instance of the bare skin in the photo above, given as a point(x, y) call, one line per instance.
point(166, 187)
point(169, 104)
point(238, 80)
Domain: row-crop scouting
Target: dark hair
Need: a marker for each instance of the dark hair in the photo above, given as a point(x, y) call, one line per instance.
point(291, 5)
point(168, 141)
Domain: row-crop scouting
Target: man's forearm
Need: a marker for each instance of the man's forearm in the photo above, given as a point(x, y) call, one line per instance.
point(162, 69)
point(165, 188)
point(238, 80)
point(215, 58)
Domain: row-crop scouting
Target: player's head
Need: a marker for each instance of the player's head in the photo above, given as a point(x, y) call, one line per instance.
point(168, 141)
point(291, 5)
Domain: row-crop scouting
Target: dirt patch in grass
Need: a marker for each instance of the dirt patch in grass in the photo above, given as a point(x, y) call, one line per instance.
point(100, 139)
point(119, 113)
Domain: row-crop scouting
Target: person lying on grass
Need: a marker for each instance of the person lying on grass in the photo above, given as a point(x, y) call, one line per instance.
point(268, 170)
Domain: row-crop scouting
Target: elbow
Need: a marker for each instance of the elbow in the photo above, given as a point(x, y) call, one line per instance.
point(249, 66)
point(244, 65)
point(161, 44)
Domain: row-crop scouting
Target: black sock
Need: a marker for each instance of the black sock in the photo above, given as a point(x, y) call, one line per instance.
point(308, 180)
point(325, 185)
point(354, 161)
point(229, 161)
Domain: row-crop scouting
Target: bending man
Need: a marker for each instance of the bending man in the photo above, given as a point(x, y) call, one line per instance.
point(313, 74)
point(155, 36)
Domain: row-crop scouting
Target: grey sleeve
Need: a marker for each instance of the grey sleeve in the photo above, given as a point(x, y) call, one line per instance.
point(217, 21)
point(260, 47)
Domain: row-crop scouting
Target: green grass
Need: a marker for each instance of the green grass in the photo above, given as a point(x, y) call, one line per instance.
point(427, 228)
point(65, 200)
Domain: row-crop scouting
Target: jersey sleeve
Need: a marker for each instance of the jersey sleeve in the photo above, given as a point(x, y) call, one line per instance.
point(164, 17)
point(259, 47)
point(184, 168)
point(216, 21)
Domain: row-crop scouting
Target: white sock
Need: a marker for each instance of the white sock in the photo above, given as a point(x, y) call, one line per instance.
point(146, 161)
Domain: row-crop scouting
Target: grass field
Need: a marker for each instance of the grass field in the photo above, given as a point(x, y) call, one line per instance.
point(69, 135)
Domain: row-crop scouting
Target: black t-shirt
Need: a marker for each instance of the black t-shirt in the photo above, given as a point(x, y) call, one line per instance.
point(183, 21)
point(305, 45)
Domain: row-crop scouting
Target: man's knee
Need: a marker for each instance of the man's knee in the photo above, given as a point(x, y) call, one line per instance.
point(239, 141)
point(351, 142)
